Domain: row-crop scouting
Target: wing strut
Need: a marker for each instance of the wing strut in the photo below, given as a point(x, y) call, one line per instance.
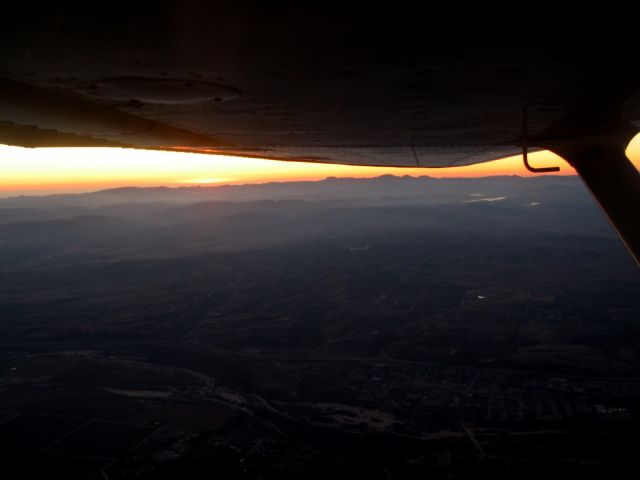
point(592, 137)
point(613, 181)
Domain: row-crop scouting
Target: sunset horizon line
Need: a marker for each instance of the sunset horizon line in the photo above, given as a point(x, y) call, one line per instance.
point(49, 171)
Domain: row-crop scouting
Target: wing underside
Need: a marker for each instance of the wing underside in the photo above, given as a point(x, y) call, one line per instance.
point(345, 85)
point(37, 117)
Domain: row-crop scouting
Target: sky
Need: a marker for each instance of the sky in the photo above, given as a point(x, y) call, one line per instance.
point(43, 171)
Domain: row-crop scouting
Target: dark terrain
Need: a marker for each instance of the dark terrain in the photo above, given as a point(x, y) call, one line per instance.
point(386, 328)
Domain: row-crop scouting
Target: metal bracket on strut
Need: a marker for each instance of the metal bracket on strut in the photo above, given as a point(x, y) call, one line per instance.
point(525, 157)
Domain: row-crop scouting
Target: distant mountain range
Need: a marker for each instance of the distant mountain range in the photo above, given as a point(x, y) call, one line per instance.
point(386, 187)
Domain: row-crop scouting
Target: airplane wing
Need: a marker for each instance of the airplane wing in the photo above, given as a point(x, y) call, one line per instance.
point(337, 85)
point(181, 115)
point(201, 116)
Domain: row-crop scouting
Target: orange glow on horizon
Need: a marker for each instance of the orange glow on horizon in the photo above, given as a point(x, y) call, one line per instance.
point(53, 170)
